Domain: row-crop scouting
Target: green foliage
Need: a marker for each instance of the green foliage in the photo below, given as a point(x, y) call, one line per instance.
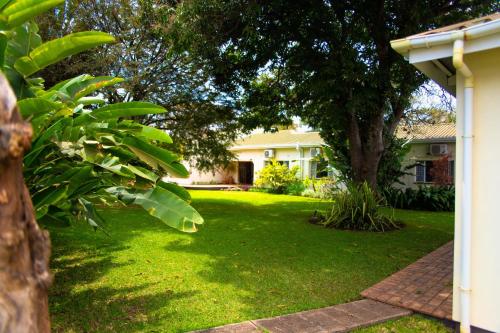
point(85, 150)
point(295, 188)
point(391, 167)
point(358, 208)
point(322, 188)
point(200, 119)
point(277, 177)
point(432, 198)
point(328, 62)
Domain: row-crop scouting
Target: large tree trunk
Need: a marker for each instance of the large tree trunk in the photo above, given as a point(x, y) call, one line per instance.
point(366, 150)
point(24, 247)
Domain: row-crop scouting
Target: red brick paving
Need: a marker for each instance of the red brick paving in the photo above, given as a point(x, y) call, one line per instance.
point(425, 286)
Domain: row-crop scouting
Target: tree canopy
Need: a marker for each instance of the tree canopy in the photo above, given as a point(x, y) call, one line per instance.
point(85, 149)
point(329, 62)
point(200, 119)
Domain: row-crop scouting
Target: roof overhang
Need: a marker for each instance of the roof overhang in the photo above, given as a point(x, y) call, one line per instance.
point(433, 140)
point(275, 146)
point(431, 52)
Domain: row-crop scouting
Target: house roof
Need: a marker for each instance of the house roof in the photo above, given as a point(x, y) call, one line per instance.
point(280, 139)
point(431, 51)
point(291, 138)
point(445, 132)
point(459, 26)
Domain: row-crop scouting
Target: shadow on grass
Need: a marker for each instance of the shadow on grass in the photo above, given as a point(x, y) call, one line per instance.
point(253, 258)
point(81, 299)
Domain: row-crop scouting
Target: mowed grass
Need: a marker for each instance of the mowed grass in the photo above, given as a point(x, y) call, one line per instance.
point(256, 256)
point(411, 324)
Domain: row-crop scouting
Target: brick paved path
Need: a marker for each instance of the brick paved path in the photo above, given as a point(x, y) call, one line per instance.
point(425, 286)
point(333, 319)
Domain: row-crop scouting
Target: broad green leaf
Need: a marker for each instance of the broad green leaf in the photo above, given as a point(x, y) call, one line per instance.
point(33, 107)
point(20, 11)
point(113, 111)
point(143, 172)
point(58, 49)
point(50, 196)
point(24, 39)
point(112, 163)
point(94, 84)
point(3, 3)
point(152, 133)
point(162, 204)
point(84, 85)
point(91, 215)
point(156, 157)
point(91, 101)
point(180, 191)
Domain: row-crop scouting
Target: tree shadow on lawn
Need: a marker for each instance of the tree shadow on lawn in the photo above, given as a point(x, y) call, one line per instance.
point(86, 297)
point(250, 260)
point(274, 262)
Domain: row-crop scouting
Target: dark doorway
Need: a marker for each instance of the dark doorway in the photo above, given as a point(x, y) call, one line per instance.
point(245, 173)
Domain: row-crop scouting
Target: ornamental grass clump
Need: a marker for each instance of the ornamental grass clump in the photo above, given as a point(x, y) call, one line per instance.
point(358, 208)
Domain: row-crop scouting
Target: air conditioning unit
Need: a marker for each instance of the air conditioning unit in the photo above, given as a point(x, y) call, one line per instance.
point(269, 153)
point(315, 152)
point(438, 149)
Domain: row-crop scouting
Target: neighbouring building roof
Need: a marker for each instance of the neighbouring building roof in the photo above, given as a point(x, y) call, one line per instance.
point(444, 132)
point(291, 138)
point(280, 139)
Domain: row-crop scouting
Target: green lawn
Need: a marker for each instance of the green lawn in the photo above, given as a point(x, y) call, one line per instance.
point(411, 324)
point(255, 257)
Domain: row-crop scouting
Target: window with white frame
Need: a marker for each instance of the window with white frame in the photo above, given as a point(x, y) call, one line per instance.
point(423, 172)
point(319, 168)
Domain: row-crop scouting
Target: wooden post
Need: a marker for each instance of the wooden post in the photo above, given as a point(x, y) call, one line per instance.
point(24, 247)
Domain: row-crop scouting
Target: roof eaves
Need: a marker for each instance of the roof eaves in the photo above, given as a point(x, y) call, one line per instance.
point(276, 146)
point(434, 140)
point(429, 39)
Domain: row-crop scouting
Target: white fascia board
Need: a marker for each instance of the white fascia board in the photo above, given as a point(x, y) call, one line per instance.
point(482, 44)
point(441, 51)
point(431, 53)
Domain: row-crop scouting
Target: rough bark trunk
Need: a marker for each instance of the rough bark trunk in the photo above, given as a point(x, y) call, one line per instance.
point(366, 150)
point(24, 247)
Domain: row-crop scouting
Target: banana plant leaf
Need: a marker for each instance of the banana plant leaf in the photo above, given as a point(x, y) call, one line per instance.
point(58, 49)
point(162, 204)
point(20, 11)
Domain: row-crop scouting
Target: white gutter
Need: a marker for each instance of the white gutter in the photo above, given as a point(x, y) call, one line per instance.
point(404, 45)
point(466, 223)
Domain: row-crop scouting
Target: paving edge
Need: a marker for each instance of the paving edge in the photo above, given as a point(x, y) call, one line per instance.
point(251, 326)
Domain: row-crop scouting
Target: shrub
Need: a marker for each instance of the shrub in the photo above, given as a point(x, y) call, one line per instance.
point(276, 177)
point(296, 188)
point(323, 188)
point(357, 208)
point(433, 198)
point(440, 172)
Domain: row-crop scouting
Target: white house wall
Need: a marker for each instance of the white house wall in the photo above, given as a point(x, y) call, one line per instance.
point(485, 291)
point(420, 152)
point(294, 156)
point(300, 157)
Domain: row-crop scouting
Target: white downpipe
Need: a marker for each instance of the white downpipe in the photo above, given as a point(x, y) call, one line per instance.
point(466, 223)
